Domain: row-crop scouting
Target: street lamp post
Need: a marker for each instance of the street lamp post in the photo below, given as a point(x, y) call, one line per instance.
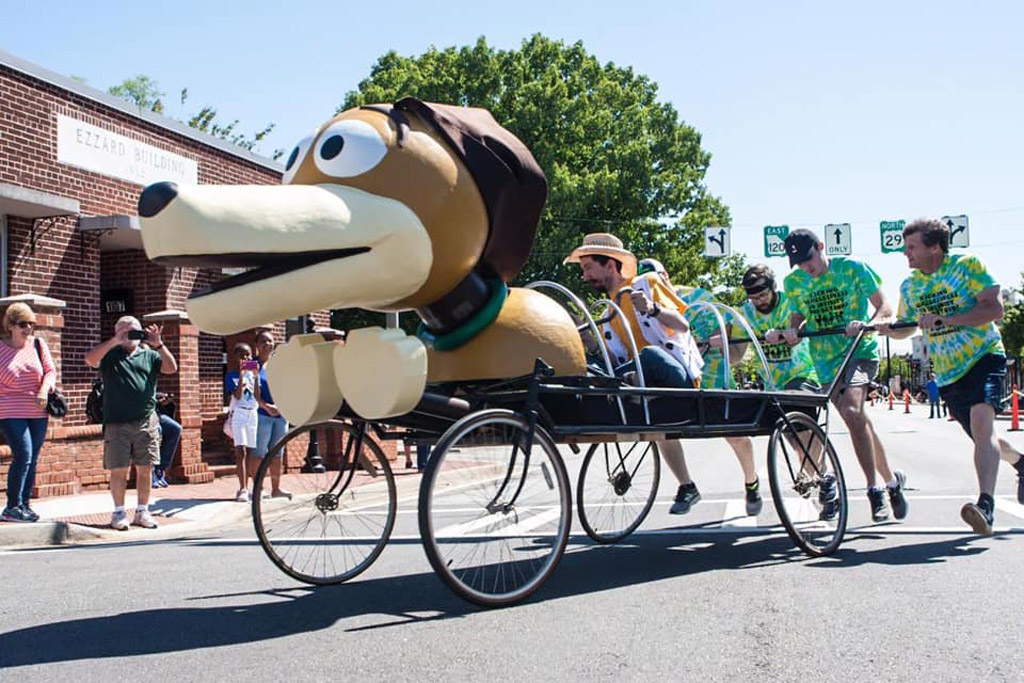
point(314, 463)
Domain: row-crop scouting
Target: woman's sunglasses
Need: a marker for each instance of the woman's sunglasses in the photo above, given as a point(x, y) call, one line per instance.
point(26, 325)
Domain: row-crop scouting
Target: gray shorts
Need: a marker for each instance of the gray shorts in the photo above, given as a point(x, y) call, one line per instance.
point(802, 384)
point(136, 442)
point(861, 372)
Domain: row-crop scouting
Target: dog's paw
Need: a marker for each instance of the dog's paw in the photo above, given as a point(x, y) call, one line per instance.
point(302, 379)
point(382, 373)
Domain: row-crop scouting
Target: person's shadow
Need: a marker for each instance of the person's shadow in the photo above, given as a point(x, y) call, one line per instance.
point(301, 609)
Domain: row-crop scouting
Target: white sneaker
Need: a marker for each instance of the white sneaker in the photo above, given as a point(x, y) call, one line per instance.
point(242, 496)
point(144, 519)
point(119, 520)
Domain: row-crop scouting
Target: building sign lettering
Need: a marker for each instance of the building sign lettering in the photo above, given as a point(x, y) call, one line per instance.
point(96, 149)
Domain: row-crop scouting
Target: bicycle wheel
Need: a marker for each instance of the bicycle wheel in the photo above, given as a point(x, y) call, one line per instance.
point(494, 520)
point(616, 488)
point(807, 484)
point(336, 522)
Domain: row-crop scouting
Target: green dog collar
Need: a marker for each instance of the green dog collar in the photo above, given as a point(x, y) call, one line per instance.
point(472, 327)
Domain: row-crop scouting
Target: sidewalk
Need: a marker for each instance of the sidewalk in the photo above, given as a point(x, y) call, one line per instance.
point(180, 510)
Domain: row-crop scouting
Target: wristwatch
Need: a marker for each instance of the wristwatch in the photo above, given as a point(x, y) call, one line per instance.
point(654, 311)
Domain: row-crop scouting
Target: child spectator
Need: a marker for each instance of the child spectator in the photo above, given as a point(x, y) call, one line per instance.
point(244, 390)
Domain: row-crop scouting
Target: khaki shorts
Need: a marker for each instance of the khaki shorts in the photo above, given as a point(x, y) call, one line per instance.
point(136, 442)
point(859, 373)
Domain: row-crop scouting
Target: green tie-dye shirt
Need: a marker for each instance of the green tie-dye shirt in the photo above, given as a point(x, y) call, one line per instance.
point(703, 324)
point(786, 363)
point(951, 290)
point(831, 300)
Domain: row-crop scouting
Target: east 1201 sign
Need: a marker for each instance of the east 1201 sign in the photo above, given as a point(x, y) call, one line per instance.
point(775, 240)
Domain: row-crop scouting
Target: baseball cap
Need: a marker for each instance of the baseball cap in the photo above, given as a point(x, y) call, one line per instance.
point(799, 244)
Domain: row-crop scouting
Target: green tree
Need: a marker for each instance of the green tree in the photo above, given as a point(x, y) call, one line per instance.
point(145, 93)
point(617, 160)
point(142, 91)
point(1012, 326)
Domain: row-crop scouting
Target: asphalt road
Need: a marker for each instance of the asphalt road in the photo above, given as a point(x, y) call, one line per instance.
point(703, 597)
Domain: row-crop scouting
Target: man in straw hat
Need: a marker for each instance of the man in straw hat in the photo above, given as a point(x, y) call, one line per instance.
point(668, 355)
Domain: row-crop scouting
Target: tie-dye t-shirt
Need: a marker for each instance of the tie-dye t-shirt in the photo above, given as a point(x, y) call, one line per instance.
point(704, 324)
point(951, 290)
point(831, 300)
point(785, 362)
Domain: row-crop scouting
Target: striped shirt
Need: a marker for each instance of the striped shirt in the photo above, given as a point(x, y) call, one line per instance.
point(21, 375)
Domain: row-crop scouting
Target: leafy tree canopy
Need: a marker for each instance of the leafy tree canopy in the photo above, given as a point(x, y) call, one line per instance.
point(1012, 327)
point(145, 93)
point(617, 160)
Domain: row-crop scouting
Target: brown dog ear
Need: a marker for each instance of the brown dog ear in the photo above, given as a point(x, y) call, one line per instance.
point(510, 180)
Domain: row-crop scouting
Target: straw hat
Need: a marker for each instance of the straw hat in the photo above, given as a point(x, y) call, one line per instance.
point(605, 244)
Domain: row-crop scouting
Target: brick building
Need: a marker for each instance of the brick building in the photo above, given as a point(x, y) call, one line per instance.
point(72, 163)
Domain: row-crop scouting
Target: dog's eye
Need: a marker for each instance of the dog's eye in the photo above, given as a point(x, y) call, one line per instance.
point(348, 148)
point(296, 157)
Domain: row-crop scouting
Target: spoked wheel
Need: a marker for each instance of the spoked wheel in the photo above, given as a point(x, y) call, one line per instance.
point(617, 486)
point(495, 510)
point(807, 484)
point(338, 521)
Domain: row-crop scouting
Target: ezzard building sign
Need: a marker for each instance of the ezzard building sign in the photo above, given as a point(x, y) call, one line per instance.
point(97, 149)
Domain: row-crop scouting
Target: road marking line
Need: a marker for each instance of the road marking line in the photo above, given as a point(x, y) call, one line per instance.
point(1014, 509)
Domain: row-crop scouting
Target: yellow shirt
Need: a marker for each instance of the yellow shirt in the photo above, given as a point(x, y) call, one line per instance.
point(663, 296)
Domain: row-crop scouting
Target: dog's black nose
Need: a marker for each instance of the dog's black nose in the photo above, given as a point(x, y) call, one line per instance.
point(156, 197)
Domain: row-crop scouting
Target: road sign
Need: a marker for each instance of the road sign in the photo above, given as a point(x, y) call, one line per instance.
point(959, 235)
point(775, 240)
point(716, 242)
point(838, 240)
point(892, 236)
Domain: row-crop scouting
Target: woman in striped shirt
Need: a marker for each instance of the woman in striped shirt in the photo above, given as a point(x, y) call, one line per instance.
point(27, 376)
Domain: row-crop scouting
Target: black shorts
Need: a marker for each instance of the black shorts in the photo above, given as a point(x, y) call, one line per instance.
point(983, 383)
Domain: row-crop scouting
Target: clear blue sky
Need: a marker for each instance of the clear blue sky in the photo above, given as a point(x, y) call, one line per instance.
point(813, 114)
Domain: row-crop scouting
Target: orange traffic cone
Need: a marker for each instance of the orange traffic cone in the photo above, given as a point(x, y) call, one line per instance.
point(906, 400)
point(1014, 411)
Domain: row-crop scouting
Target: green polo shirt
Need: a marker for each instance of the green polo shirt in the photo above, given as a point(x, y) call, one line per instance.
point(129, 384)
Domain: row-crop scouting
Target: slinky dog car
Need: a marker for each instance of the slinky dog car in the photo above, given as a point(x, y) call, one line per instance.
point(385, 207)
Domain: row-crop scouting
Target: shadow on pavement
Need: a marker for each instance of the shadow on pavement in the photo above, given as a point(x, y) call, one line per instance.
point(400, 600)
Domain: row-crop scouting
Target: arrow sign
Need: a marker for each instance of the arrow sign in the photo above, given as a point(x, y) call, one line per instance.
point(837, 239)
point(959, 234)
point(717, 243)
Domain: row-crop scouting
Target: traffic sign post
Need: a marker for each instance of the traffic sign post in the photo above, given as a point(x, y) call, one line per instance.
point(959, 234)
point(717, 242)
point(838, 241)
point(775, 240)
point(892, 236)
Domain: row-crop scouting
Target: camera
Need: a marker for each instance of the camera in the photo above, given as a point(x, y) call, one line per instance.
point(140, 335)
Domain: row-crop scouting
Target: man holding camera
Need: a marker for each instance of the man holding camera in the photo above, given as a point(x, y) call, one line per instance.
point(130, 422)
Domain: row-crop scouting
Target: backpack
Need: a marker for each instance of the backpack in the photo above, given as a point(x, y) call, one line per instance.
point(94, 402)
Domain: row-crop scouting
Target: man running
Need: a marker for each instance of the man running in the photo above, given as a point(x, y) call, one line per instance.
point(834, 293)
point(704, 327)
point(956, 303)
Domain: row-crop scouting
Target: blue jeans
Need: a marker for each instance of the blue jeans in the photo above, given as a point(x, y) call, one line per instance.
point(25, 436)
point(269, 430)
point(422, 454)
point(660, 369)
point(170, 435)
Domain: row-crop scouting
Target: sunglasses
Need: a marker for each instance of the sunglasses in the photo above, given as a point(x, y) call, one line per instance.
point(25, 324)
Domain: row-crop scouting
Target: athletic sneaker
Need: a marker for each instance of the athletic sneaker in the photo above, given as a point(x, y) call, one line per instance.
point(119, 520)
point(242, 496)
point(32, 515)
point(754, 501)
point(828, 496)
point(144, 519)
point(281, 493)
point(896, 498)
point(1020, 488)
point(15, 514)
point(686, 497)
point(877, 499)
point(978, 518)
